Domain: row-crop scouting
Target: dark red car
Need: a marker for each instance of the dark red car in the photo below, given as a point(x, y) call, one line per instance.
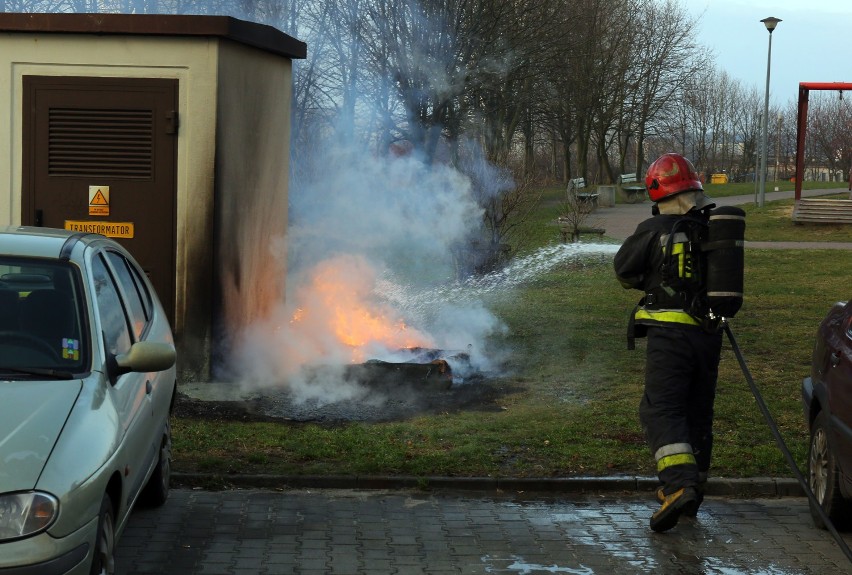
point(827, 397)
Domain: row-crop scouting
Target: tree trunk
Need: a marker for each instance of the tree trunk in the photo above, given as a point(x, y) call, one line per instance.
point(529, 144)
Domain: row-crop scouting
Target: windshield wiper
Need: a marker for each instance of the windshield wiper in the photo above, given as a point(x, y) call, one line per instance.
point(52, 373)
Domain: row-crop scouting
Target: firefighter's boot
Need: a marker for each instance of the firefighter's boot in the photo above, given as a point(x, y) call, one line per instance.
point(684, 501)
point(689, 511)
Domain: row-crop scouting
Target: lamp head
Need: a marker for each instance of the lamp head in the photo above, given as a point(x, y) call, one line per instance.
point(771, 23)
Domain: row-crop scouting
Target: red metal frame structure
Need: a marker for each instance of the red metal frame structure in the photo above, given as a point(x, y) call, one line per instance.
point(802, 123)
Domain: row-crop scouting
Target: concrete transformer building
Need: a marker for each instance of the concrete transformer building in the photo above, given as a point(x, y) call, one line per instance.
point(170, 133)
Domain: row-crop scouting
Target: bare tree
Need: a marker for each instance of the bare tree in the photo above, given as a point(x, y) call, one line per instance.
point(747, 129)
point(582, 88)
point(666, 60)
point(828, 137)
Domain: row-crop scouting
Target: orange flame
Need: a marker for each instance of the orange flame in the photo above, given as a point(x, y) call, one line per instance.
point(338, 293)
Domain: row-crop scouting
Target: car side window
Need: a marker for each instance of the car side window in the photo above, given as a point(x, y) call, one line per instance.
point(110, 309)
point(133, 299)
point(144, 294)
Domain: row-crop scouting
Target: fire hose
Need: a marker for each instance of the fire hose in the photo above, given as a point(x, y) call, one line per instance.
point(783, 446)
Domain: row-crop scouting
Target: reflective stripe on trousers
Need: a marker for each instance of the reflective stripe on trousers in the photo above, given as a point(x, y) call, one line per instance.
point(674, 454)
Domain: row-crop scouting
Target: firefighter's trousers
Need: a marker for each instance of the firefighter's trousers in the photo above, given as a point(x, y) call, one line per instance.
point(676, 410)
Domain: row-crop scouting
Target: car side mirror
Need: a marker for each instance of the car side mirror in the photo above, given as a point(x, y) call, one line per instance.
point(146, 356)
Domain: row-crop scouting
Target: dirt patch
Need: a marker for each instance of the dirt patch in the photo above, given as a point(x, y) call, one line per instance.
point(378, 403)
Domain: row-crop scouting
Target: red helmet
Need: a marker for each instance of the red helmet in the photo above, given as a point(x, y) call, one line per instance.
point(671, 174)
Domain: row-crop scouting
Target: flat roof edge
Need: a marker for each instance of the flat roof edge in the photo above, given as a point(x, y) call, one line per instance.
point(259, 36)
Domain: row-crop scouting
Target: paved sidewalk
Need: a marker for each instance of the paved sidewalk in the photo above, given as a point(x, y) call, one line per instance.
point(621, 221)
point(313, 532)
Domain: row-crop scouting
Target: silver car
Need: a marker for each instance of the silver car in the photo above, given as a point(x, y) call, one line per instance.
point(87, 382)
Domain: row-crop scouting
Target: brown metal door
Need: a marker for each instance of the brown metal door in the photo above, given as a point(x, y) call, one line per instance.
point(100, 154)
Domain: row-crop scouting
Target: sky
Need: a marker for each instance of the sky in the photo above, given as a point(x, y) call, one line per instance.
point(812, 43)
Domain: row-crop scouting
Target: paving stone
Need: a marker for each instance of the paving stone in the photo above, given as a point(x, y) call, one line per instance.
point(384, 532)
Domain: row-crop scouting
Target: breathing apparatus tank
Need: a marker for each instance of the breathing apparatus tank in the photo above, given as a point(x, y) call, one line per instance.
point(724, 249)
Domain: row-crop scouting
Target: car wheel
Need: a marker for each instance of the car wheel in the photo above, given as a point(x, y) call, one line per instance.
point(824, 477)
point(156, 491)
point(103, 559)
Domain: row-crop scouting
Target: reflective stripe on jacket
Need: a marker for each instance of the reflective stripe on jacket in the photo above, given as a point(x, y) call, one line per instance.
point(663, 316)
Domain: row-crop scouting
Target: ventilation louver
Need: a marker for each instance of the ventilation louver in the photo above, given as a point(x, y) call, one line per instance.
point(101, 143)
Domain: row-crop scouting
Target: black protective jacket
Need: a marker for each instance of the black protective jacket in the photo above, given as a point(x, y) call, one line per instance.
point(663, 259)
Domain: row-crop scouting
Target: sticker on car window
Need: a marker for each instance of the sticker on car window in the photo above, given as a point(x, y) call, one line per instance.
point(70, 348)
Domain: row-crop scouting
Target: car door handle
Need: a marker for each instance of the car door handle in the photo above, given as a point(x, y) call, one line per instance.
point(835, 359)
point(148, 387)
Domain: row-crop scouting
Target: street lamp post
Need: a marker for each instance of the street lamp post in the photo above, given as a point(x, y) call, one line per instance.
point(770, 24)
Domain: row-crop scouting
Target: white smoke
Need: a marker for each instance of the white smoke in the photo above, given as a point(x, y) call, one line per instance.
point(364, 223)
point(364, 218)
point(396, 210)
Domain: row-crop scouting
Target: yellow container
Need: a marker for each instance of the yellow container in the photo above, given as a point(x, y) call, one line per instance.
point(718, 178)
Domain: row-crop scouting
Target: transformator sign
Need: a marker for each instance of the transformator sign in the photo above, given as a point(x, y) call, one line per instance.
point(108, 229)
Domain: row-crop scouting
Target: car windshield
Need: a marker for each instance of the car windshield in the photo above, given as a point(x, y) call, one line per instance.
point(41, 319)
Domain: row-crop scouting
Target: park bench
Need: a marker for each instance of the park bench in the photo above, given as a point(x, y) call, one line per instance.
point(631, 192)
point(822, 211)
point(590, 200)
point(567, 230)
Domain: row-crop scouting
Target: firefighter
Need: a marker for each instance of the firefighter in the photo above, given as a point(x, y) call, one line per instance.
point(663, 259)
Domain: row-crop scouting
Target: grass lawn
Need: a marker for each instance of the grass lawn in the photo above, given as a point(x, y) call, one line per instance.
point(569, 403)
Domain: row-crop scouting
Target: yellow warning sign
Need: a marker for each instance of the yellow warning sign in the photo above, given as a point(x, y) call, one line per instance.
point(108, 229)
point(98, 200)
